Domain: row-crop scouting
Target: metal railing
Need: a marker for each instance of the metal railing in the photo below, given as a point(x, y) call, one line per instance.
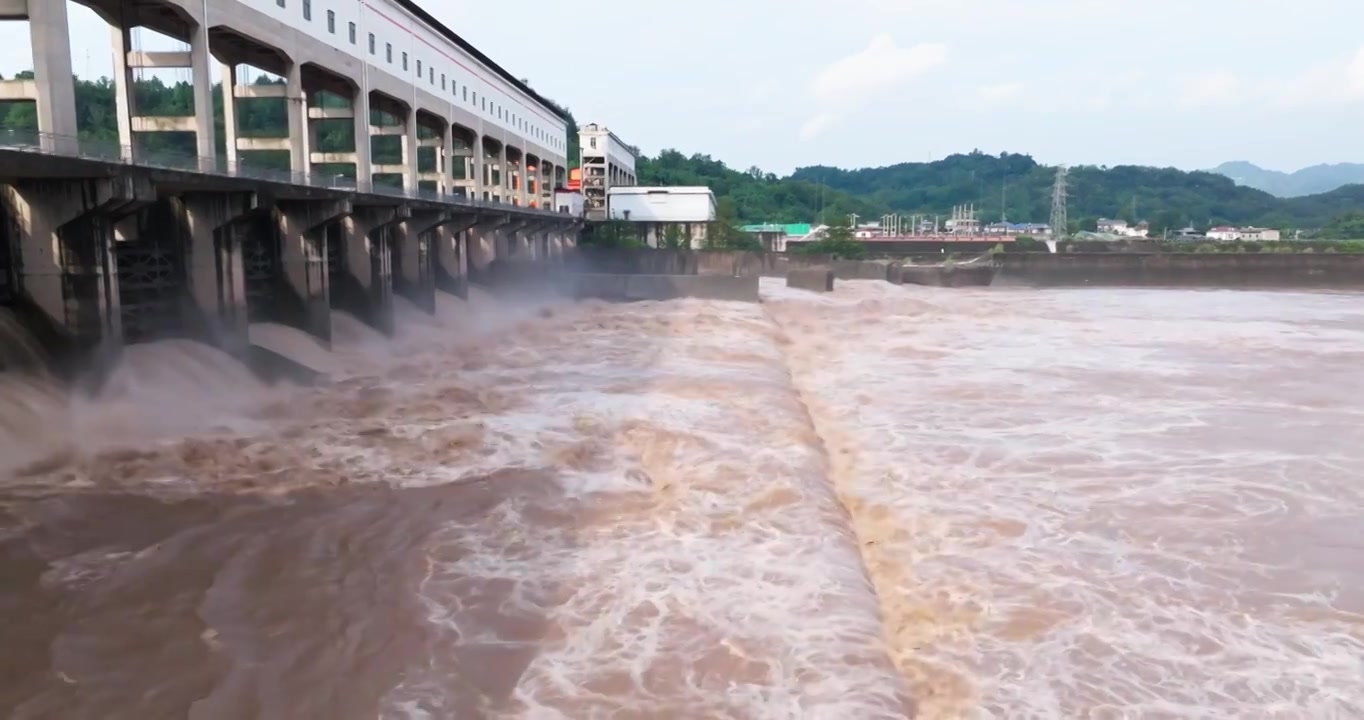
point(109, 151)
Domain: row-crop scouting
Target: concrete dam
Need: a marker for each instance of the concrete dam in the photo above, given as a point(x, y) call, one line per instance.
point(93, 263)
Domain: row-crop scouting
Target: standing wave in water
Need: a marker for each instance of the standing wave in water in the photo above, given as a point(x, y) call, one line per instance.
point(526, 511)
point(1101, 503)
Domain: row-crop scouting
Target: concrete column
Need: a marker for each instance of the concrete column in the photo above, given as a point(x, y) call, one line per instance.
point(298, 123)
point(475, 165)
point(49, 32)
point(451, 253)
point(229, 73)
point(509, 245)
point(305, 262)
point(482, 244)
point(65, 243)
point(204, 131)
point(365, 283)
point(447, 154)
point(364, 173)
point(213, 265)
point(409, 149)
point(414, 276)
point(123, 90)
point(504, 177)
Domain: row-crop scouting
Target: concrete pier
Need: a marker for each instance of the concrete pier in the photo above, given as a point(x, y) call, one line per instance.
point(414, 276)
point(362, 265)
point(66, 271)
point(303, 262)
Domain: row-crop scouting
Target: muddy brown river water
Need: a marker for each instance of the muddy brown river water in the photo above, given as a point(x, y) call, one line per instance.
point(882, 502)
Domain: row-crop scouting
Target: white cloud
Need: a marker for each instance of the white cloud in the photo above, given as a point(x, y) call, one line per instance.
point(855, 79)
point(1211, 88)
point(815, 126)
point(1331, 83)
point(1000, 93)
point(1340, 81)
point(875, 69)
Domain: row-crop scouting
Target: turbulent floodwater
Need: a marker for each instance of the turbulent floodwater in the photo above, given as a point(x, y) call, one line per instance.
point(968, 503)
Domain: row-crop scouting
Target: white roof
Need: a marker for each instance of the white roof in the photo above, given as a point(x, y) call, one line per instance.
point(645, 190)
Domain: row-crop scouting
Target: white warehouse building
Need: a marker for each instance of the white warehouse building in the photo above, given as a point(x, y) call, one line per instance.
point(652, 210)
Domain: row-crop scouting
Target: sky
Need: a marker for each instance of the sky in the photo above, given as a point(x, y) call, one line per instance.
point(782, 84)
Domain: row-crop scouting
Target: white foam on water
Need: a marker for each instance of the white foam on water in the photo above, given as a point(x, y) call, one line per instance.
point(1101, 503)
point(691, 560)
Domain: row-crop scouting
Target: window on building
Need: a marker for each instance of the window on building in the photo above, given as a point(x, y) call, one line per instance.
point(442, 82)
point(484, 104)
point(307, 9)
point(432, 73)
point(279, 3)
point(466, 93)
point(388, 50)
point(331, 21)
point(404, 61)
point(419, 68)
point(352, 33)
point(371, 43)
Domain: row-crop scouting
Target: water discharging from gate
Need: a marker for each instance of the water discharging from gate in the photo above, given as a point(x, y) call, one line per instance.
point(1017, 504)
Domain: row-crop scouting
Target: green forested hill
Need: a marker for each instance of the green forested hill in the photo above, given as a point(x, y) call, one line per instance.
point(996, 184)
point(1019, 185)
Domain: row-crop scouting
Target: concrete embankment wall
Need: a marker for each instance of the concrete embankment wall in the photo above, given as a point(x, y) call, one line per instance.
point(628, 287)
point(734, 263)
point(948, 276)
point(813, 279)
point(1181, 269)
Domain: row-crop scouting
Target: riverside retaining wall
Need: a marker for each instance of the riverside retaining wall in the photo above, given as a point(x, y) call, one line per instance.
point(733, 263)
point(634, 287)
point(948, 276)
point(1333, 270)
point(813, 279)
point(863, 269)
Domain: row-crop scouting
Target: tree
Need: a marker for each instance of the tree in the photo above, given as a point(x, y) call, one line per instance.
point(1349, 226)
point(613, 234)
point(674, 238)
point(1167, 221)
point(723, 233)
point(837, 240)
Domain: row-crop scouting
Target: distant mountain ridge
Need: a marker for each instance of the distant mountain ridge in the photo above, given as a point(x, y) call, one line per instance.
point(1307, 181)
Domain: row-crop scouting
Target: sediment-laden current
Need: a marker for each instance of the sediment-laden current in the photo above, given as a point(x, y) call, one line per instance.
point(884, 501)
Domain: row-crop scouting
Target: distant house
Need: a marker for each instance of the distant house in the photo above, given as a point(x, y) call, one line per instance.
point(1261, 234)
point(1112, 227)
point(1034, 229)
point(1227, 233)
point(1015, 229)
point(1108, 226)
point(773, 236)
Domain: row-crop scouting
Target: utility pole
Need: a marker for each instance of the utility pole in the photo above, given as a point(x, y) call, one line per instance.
point(1060, 224)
